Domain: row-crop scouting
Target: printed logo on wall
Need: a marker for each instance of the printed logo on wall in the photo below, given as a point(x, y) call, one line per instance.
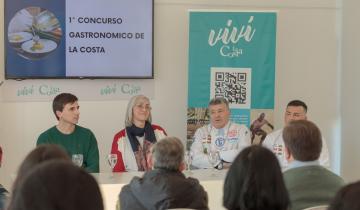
point(232, 55)
point(96, 90)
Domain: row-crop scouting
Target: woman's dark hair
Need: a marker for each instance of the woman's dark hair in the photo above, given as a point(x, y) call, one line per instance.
point(347, 198)
point(255, 182)
point(38, 155)
point(58, 184)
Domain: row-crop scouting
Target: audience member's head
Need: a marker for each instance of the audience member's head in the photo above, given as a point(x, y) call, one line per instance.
point(39, 155)
point(61, 100)
point(254, 181)
point(219, 112)
point(295, 110)
point(347, 198)
point(138, 102)
point(303, 141)
point(168, 154)
point(55, 185)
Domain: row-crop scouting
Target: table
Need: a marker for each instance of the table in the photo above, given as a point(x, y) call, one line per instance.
point(111, 184)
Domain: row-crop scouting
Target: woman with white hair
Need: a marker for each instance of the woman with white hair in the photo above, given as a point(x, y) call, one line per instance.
point(132, 144)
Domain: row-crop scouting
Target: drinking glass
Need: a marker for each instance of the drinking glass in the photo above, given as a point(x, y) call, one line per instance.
point(111, 159)
point(188, 160)
point(214, 158)
point(189, 142)
point(77, 159)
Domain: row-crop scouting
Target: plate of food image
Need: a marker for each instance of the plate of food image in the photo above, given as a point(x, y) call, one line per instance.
point(19, 37)
point(39, 47)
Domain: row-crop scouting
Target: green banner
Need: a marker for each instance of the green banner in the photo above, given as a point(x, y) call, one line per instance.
point(231, 55)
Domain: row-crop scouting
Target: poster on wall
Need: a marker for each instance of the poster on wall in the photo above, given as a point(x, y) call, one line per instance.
point(232, 55)
point(78, 39)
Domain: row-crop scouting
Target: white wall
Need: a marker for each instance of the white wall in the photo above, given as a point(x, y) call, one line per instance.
point(350, 99)
point(307, 69)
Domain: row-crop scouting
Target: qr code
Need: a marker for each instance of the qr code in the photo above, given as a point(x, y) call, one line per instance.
point(232, 84)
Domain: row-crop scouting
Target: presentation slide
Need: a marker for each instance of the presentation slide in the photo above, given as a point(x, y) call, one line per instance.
point(78, 39)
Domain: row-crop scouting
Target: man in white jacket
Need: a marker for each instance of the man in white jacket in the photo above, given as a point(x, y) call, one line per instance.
point(295, 110)
point(222, 135)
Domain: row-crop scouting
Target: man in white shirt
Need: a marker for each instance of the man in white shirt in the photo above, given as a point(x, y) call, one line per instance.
point(295, 110)
point(222, 135)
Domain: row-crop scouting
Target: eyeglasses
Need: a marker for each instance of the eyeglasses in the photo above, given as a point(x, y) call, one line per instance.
point(142, 106)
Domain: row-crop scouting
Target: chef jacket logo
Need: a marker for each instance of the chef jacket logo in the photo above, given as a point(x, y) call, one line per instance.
point(278, 149)
point(232, 133)
point(219, 142)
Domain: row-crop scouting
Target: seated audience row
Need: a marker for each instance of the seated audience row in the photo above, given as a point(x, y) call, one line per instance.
point(254, 180)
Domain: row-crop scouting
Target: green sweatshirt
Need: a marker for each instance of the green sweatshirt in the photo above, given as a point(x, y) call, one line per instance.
point(81, 141)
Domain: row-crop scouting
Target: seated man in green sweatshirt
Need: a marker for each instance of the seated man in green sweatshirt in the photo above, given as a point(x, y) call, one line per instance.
point(73, 138)
point(309, 184)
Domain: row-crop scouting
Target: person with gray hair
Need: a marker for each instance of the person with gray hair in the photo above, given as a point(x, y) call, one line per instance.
point(164, 187)
point(222, 135)
point(133, 143)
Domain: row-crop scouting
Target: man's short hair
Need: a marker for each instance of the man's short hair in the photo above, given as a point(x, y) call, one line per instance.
point(219, 100)
point(61, 100)
point(297, 103)
point(168, 153)
point(303, 140)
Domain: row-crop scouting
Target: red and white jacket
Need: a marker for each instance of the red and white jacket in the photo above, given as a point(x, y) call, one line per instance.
point(122, 148)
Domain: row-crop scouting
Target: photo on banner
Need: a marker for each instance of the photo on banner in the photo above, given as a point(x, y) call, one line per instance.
point(232, 55)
